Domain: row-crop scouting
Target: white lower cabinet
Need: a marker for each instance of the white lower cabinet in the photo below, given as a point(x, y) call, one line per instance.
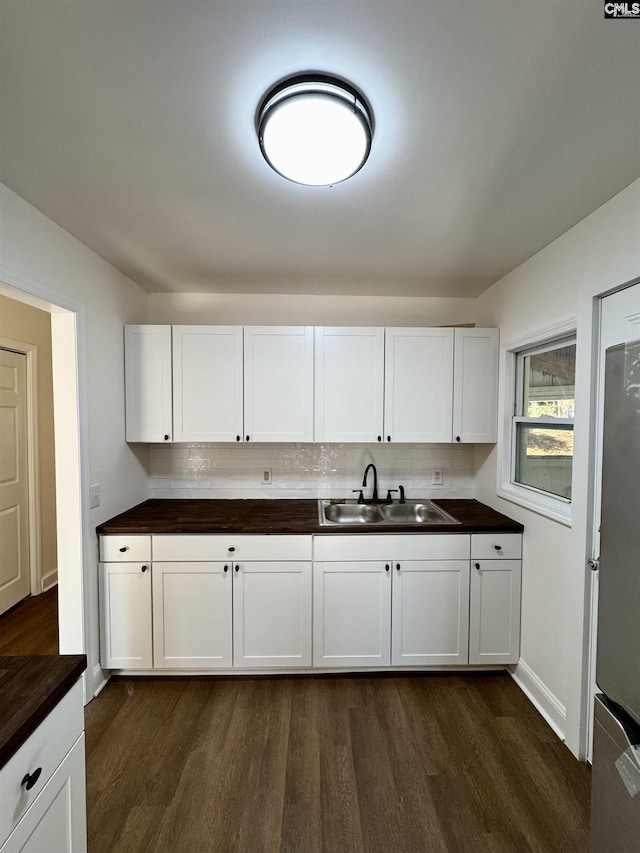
point(192, 606)
point(495, 584)
point(272, 614)
point(125, 616)
point(382, 611)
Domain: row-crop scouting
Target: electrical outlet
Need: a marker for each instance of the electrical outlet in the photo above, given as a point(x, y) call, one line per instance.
point(266, 477)
point(94, 491)
point(437, 476)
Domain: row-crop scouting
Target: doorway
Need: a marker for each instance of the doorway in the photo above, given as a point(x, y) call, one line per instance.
point(619, 324)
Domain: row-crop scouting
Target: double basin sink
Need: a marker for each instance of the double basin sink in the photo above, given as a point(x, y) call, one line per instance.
point(416, 512)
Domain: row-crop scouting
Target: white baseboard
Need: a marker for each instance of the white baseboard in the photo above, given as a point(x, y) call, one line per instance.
point(95, 682)
point(49, 580)
point(541, 697)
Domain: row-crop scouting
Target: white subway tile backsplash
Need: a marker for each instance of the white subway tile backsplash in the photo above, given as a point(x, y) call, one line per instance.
point(306, 470)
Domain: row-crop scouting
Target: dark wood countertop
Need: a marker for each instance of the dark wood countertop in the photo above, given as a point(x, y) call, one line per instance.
point(285, 516)
point(30, 687)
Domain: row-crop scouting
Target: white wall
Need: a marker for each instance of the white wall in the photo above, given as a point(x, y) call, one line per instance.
point(40, 257)
point(288, 309)
point(600, 253)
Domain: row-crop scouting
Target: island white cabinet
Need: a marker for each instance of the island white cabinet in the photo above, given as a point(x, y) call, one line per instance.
point(49, 814)
point(208, 383)
point(401, 600)
point(278, 383)
point(349, 384)
point(148, 384)
point(475, 385)
point(125, 602)
point(418, 384)
point(496, 571)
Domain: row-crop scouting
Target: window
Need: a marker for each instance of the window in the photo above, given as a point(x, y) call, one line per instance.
point(537, 451)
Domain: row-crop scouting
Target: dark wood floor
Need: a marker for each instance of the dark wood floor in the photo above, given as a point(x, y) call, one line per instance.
point(31, 627)
point(391, 764)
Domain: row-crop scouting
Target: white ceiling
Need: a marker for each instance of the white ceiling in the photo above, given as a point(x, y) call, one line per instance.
point(499, 125)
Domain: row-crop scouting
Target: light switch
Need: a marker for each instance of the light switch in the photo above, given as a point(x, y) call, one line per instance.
point(95, 495)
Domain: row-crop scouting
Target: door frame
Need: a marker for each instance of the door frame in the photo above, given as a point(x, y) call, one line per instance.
point(593, 521)
point(69, 360)
point(30, 351)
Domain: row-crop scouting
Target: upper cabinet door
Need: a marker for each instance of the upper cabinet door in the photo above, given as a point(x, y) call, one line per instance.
point(207, 383)
point(349, 387)
point(147, 352)
point(418, 391)
point(475, 385)
point(278, 383)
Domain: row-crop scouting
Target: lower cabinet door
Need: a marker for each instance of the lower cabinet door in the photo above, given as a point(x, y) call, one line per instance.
point(192, 615)
point(271, 614)
point(56, 822)
point(494, 623)
point(352, 614)
point(125, 616)
point(430, 614)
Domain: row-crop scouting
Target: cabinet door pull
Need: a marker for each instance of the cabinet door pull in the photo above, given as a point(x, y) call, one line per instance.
point(123, 549)
point(388, 438)
point(379, 438)
point(144, 568)
point(226, 569)
point(166, 436)
point(477, 565)
point(457, 438)
point(387, 567)
point(237, 568)
point(237, 438)
point(397, 567)
point(247, 438)
point(30, 779)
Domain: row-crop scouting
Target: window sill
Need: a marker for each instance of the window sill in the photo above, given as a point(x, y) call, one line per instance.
point(557, 510)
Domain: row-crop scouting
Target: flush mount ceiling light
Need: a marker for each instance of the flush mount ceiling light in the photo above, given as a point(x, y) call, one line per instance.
point(314, 129)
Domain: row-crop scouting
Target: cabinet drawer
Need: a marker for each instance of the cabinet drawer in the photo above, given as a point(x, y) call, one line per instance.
point(183, 548)
point(125, 549)
point(496, 546)
point(425, 546)
point(45, 749)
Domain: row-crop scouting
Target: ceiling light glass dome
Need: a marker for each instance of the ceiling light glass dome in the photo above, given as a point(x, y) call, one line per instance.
point(315, 129)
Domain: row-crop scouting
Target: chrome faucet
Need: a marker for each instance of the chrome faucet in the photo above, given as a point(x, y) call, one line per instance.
point(374, 496)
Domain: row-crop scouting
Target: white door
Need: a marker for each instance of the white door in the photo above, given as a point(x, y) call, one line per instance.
point(494, 611)
point(475, 385)
point(207, 383)
point(278, 383)
point(430, 615)
point(619, 323)
point(352, 614)
point(147, 356)
point(271, 614)
point(125, 623)
point(192, 615)
point(349, 384)
point(418, 384)
point(15, 581)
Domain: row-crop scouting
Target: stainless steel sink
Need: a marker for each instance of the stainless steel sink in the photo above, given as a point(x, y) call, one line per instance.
point(352, 513)
point(420, 513)
point(416, 513)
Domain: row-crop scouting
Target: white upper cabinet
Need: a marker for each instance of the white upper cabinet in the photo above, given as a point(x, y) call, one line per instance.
point(349, 384)
point(418, 385)
point(148, 383)
point(475, 385)
point(207, 383)
point(278, 383)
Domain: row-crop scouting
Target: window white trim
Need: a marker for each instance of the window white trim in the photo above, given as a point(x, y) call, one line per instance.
point(557, 508)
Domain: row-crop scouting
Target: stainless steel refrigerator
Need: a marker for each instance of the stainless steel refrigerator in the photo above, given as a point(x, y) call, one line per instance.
point(615, 798)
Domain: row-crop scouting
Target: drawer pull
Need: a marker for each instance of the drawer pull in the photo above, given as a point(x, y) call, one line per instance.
point(30, 779)
point(498, 547)
point(231, 550)
point(123, 549)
